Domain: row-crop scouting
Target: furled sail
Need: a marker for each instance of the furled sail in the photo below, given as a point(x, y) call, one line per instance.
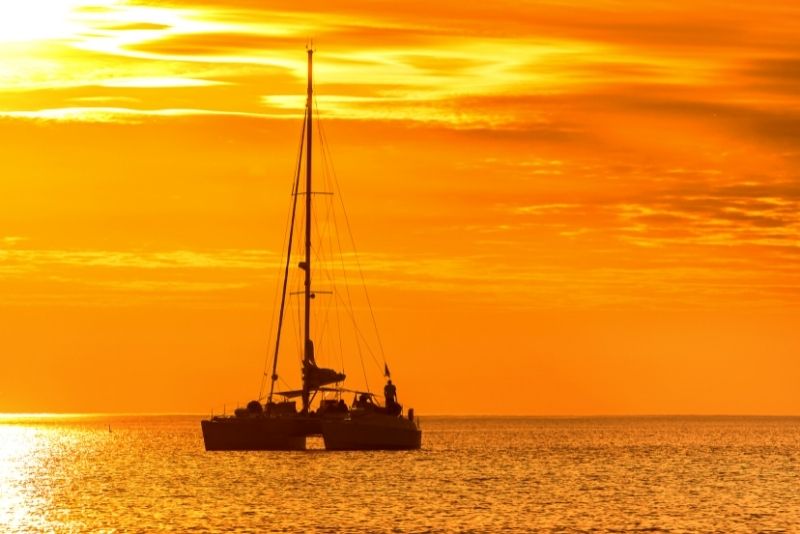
point(314, 376)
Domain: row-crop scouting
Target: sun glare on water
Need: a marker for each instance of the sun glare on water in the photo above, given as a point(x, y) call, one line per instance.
point(17, 445)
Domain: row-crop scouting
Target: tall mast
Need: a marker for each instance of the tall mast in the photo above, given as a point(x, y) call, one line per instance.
point(308, 354)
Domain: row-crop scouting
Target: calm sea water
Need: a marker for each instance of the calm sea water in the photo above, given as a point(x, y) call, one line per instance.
point(151, 473)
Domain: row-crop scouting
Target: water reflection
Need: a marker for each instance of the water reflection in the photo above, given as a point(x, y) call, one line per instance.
point(18, 445)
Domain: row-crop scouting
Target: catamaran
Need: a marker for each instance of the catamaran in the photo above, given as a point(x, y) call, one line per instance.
point(366, 423)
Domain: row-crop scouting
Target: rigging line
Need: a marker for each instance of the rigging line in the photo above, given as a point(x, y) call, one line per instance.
point(346, 306)
point(323, 146)
point(286, 269)
point(331, 275)
point(349, 305)
point(332, 215)
point(324, 318)
point(299, 332)
point(361, 356)
point(364, 338)
point(327, 342)
point(286, 236)
point(338, 316)
point(323, 230)
point(352, 240)
point(284, 382)
point(295, 283)
point(323, 270)
point(298, 339)
point(360, 336)
point(328, 271)
point(272, 324)
point(321, 312)
point(335, 302)
point(298, 283)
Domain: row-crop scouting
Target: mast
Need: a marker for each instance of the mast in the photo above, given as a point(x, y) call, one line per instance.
point(308, 354)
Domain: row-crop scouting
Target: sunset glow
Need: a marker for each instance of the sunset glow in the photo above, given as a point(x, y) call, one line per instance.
point(560, 207)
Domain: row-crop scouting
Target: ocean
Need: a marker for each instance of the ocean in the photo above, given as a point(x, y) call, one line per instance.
point(473, 474)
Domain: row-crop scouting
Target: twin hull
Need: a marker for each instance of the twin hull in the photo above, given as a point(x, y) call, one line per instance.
point(261, 433)
point(371, 433)
point(258, 433)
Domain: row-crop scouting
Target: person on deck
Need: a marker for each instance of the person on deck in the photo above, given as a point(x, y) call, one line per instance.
point(362, 401)
point(390, 394)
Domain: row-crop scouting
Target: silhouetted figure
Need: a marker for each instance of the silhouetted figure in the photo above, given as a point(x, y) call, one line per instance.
point(390, 394)
point(364, 401)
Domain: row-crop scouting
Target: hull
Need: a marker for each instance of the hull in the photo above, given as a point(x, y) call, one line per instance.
point(374, 432)
point(258, 433)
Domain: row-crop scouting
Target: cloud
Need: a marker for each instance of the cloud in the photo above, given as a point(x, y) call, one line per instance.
point(592, 144)
point(116, 115)
point(137, 26)
point(215, 44)
point(159, 82)
point(178, 259)
point(89, 277)
point(12, 240)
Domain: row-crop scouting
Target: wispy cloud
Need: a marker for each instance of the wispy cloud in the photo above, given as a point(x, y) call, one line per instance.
point(117, 115)
point(565, 148)
point(178, 259)
point(408, 50)
point(12, 240)
point(159, 82)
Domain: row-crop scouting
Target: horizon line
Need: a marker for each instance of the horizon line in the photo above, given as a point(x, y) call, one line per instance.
point(43, 415)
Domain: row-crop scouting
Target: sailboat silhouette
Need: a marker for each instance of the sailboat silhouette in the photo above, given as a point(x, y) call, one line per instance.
point(365, 425)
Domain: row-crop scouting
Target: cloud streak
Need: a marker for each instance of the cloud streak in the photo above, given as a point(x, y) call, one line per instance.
point(581, 139)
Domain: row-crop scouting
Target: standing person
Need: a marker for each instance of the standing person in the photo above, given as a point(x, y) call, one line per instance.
point(390, 394)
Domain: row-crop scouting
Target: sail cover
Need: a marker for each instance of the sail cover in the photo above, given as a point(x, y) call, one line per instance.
point(315, 377)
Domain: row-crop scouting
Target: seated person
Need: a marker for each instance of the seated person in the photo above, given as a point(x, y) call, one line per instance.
point(364, 400)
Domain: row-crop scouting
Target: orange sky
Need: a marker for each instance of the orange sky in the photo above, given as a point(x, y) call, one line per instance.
point(560, 207)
